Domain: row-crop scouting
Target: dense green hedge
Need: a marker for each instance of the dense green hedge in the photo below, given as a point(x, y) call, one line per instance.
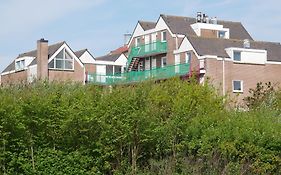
point(173, 127)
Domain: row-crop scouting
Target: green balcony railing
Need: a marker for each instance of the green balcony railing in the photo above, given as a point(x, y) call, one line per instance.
point(147, 49)
point(139, 76)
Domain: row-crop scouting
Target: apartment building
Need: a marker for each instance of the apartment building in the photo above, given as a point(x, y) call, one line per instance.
point(221, 51)
point(55, 62)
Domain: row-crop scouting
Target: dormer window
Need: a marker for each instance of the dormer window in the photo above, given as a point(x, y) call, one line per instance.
point(62, 61)
point(237, 56)
point(20, 65)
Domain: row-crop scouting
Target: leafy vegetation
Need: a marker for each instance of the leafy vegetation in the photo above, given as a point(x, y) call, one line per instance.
point(172, 127)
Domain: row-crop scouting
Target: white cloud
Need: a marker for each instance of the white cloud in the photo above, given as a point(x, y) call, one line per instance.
point(24, 16)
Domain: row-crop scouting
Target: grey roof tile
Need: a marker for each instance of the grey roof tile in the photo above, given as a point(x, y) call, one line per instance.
point(109, 57)
point(52, 49)
point(181, 25)
point(215, 46)
point(79, 53)
point(147, 25)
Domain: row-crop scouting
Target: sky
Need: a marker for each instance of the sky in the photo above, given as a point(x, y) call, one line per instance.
point(99, 25)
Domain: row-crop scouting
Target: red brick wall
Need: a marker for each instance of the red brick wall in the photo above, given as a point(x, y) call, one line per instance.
point(209, 33)
point(250, 74)
point(14, 78)
point(61, 75)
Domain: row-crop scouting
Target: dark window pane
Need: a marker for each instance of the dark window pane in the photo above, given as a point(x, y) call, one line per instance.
point(67, 56)
point(237, 85)
point(118, 69)
point(237, 56)
point(109, 69)
point(60, 55)
point(52, 64)
point(59, 64)
point(164, 36)
point(68, 64)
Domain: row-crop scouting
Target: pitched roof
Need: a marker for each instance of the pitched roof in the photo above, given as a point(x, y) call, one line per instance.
point(109, 57)
point(52, 49)
point(120, 50)
point(79, 53)
point(147, 25)
point(9, 68)
point(217, 46)
point(181, 25)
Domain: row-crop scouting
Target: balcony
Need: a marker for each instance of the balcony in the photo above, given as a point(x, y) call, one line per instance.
point(139, 76)
point(150, 49)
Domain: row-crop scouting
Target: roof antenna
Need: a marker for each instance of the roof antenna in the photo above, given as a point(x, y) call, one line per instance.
point(127, 37)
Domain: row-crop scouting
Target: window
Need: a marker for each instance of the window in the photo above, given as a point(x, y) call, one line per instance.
point(109, 70)
point(236, 56)
point(221, 34)
point(117, 69)
point(20, 65)
point(62, 61)
point(163, 61)
point(164, 36)
point(187, 57)
point(137, 41)
point(237, 86)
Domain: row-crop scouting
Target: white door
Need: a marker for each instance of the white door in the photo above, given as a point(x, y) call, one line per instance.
point(153, 41)
point(146, 42)
point(101, 73)
point(177, 62)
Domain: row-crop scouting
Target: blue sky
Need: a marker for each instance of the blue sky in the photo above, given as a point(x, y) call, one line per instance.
point(99, 25)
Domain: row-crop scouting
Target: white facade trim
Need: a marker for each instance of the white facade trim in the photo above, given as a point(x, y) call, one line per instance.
point(67, 48)
point(160, 26)
point(273, 62)
point(185, 47)
point(7, 73)
point(87, 58)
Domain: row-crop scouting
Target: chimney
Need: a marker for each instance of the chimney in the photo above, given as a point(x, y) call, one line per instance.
point(42, 59)
point(199, 17)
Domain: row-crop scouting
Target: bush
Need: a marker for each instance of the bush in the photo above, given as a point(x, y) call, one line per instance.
point(170, 127)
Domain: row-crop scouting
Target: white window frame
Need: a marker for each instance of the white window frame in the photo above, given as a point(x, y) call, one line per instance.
point(64, 50)
point(21, 65)
point(136, 41)
point(241, 84)
point(162, 62)
point(188, 56)
point(162, 36)
point(240, 56)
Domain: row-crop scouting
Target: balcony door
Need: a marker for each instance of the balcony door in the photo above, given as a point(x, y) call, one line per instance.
point(177, 63)
point(101, 73)
point(146, 42)
point(147, 63)
point(153, 41)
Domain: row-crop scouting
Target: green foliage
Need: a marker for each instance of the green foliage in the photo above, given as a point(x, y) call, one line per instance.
point(262, 95)
point(171, 127)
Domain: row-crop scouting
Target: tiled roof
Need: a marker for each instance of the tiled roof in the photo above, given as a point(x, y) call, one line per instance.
point(181, 25)
point(109, 57)
point(80, 53)
point(120, 50)
point(52, 49)
point(215, 46)
point(147, 25)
